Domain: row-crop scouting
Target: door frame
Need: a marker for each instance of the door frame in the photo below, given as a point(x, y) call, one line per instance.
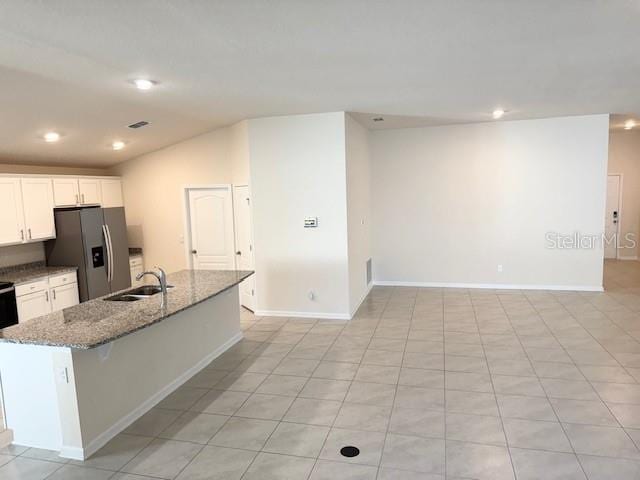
point(251, 239)
point(620, 180)
point(186, 215)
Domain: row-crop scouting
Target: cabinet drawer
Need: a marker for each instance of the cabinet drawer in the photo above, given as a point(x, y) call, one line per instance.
point(32, 287)
point(62, 279)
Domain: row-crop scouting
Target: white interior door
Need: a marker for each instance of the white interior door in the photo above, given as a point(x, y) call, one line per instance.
point(612, 217)
point(244, 246)
point(211, 226)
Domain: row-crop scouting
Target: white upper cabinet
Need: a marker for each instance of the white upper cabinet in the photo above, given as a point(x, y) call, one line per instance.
point(71, 192)
point(65, 192)
point(37, 201)
point(27, 202)
point(111, 193)
point(11, 214)
point(90, 191)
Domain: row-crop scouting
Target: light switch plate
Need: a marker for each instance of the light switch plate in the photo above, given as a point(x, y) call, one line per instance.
point(310, 222)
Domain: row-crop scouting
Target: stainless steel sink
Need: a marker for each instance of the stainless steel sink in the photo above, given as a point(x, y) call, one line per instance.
point(136, 294)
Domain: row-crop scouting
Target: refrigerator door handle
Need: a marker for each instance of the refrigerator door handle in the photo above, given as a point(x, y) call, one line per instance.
point(111, 255)
point(108, 252)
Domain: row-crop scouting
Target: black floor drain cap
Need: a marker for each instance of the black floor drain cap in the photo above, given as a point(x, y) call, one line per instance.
point(350, 451)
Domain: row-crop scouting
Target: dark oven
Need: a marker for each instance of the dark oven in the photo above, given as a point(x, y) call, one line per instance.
point(8, 309)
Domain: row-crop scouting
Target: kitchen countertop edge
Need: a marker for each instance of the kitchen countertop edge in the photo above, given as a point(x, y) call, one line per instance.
point(242, 275)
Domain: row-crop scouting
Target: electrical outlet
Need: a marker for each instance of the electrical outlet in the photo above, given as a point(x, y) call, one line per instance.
point(500, 268)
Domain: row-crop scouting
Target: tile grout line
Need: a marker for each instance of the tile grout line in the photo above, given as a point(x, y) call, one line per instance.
point(495, 396)
point(397, 384)
point(564, 430)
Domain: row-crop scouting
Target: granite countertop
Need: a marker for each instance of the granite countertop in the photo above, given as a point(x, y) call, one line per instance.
point(30, 272)
point(97, 321)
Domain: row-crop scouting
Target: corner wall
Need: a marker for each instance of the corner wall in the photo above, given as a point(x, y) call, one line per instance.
point(298, 170)
point(358, 164)
point(453, 203)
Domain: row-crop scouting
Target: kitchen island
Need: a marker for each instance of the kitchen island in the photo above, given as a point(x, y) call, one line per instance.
point(74, 379)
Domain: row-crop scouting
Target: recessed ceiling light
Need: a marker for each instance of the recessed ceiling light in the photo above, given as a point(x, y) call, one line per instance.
point(498, 113)
point(117, 145)
point(629, 124)
point(143, 83)
point(51, 137)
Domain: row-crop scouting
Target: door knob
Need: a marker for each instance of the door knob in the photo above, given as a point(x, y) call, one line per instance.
point(194, 252)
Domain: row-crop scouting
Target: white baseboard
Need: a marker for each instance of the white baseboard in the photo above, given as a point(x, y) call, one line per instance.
point(284, 313)
point(367, 291)
point(491, 286)
point(630, 257)
point(96, 444)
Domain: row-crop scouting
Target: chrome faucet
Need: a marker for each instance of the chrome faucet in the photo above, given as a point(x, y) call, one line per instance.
point(162, 280)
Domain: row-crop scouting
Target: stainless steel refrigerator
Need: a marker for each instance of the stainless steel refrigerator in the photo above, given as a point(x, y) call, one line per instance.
point(94, 240)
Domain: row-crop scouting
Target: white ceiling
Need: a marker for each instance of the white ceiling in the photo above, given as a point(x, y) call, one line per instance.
point(66, 64)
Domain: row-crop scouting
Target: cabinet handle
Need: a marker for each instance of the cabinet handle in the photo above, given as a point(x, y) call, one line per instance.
point(54, 294)
point(77, 198)
point(21, 234)
point(29, 230)
point(83, 198)
point(46, 295)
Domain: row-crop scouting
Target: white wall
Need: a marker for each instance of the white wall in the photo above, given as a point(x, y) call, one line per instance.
point(19, 254)
point(298, 170)
point(358, 209)
point(239, 152)
point(624, 158)
point(153, 187)
point(452, 203)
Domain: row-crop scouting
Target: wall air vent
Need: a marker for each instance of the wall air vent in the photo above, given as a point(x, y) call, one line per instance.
point(139, 124)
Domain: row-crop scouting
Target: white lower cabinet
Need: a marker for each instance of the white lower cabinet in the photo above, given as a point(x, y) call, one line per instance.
point(46, 295)
point(64, 297)
point(33, 305)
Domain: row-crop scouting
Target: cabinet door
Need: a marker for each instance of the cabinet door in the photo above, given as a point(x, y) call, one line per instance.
point(111, 193)
point(11, 214)
point(33, 305)
point(37, 201)
point(90, 193)
point(65, 192)
point(64, 297)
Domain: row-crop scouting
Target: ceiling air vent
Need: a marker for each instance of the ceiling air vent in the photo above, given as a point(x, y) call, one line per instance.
point(139, 124)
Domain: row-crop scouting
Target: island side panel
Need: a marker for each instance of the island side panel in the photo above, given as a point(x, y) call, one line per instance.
point(119, 382)
point(30, 394)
